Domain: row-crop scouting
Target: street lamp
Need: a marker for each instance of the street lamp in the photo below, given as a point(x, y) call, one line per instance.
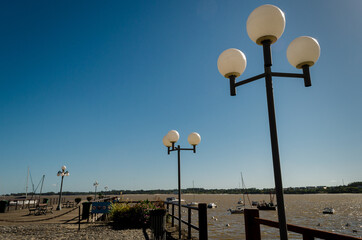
point(169, 141)
point(61, 173)
point(95, 184)
point(265, 25)
point(106, 189)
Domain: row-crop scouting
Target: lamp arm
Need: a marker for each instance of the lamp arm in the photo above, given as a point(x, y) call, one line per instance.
point(250, 80)
point(233, 84)
point(305, 75)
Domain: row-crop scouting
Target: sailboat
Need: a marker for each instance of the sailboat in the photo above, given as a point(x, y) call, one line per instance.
point(267, 206)
point(240, 208)
point(193, 203)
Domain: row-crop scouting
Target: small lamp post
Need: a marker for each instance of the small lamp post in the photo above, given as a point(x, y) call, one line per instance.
point(169, 141)
point(61, 173)
point(265, 25)
point(106, 189)
point(95, 184)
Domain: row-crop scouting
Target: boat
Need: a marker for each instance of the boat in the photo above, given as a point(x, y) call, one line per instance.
point(193, 203)
point(266, 206)
point(173, 200)
point(241, 202)
point(238, 210)
point(328, 210)
point(212, 205)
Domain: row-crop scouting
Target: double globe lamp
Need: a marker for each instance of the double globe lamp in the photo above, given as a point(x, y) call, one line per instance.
point(169, 141)
point(265, 25)
point(61, 173)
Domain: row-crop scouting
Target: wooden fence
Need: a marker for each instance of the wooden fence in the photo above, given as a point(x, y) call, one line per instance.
point(202, 215)
point(253, 222)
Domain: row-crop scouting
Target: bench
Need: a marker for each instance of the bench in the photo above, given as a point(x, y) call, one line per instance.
point(41, 209)
point(68, 204)
point(32, 210)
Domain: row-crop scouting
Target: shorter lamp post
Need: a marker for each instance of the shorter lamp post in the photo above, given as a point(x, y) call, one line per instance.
point(95, 184)
point(106, 190)
point(169, 141)
point(61, 173)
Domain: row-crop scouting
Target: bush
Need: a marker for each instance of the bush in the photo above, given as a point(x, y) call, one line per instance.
point(77, 200)
point(125, 216)
point(89, 199)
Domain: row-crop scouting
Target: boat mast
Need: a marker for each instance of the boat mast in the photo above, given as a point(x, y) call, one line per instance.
point(243, 185)
point(41, 188)
point(26, 187)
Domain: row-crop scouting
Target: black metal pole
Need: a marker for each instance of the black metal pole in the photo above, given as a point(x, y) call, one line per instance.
point(274, 142)
point(60, 194)
point(179, 191)
point(95, 193)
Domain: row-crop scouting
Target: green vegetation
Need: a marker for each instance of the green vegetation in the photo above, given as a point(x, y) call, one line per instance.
point(125, 216)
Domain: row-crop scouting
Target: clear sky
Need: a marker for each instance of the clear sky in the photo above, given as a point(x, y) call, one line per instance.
point(95, 85)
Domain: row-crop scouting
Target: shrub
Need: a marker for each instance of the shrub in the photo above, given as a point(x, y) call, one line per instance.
point(89, 199)
point(77, 200)
point(125, 216)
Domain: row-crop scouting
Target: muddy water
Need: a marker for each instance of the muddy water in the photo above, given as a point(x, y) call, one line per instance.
point(302, 210)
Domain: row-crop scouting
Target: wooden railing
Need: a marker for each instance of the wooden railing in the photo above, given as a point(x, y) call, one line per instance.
point(253, 222)
point(202, 215)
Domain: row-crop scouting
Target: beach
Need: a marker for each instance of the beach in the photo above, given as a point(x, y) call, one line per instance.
point(62, 231)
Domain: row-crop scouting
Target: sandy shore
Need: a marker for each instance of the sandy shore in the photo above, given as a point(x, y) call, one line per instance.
point(61, 231)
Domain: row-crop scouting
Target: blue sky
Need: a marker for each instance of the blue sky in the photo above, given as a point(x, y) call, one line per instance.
point(95, 85)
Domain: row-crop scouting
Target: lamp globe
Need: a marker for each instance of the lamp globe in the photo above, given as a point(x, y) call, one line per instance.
point(173, 136)
point(266, 22)
point(303, 51)
point(231, 62)
point(194, 138)
point(166, 142)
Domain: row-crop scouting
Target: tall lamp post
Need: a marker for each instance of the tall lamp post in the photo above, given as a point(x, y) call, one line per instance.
point(265, 25)
point(95, 184)
point(61, 173)
point(169, 141)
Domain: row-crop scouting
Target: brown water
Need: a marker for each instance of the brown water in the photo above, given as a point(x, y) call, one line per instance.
point(301, 210)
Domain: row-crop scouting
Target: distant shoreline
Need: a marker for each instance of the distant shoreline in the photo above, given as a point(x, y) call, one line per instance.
point(353, 188)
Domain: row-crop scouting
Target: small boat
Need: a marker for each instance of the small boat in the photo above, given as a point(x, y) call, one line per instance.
point(328, 210)
point(266, 206)
point(238, 210)
point(241, 202)
point(193, 204)
point(173, 200)
point(212, 205)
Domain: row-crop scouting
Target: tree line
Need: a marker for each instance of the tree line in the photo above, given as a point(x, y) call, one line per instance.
point(355, 187)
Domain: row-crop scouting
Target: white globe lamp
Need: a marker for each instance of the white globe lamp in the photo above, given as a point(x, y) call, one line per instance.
point(231, 62)
point(266, 22)
point(303, 51)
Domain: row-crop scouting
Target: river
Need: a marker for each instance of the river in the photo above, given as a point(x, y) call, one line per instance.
point(301, 210)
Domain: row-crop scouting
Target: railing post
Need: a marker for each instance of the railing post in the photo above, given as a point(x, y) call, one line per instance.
point(189, 224)
point(173, 215)
point(202, 221)
point(252, 228)
point(307, 237)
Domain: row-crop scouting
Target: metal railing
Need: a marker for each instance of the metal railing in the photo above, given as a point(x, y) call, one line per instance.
point(253, 222)
point(17, 204)
point(202, 215)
